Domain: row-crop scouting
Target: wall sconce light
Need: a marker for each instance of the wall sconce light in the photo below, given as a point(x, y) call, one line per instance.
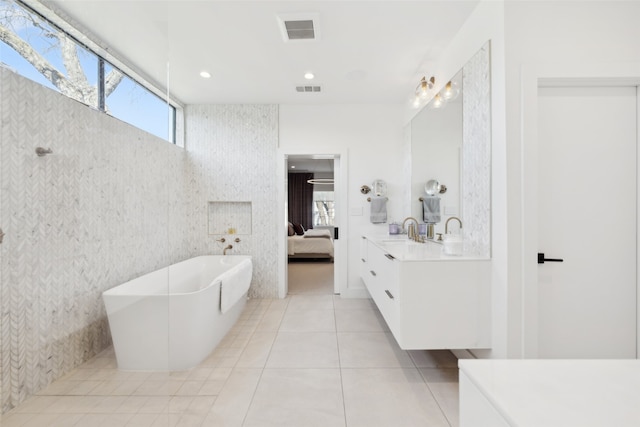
point(438, 101)
point(422, 90)
point(450, 91)
point(379, 188)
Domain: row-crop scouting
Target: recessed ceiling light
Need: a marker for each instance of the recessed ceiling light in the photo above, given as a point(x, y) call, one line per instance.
point(205, 74)
point(293, 166)
point(309, 76)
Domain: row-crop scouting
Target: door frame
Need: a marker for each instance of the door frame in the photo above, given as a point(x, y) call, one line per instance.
point(533, 77)
point(340, 176)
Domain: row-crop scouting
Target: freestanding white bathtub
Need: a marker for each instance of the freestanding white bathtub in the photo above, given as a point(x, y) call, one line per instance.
point(173, 318)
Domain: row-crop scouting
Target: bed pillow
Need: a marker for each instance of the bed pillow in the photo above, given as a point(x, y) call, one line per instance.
point(291, 231)
point(299, 229)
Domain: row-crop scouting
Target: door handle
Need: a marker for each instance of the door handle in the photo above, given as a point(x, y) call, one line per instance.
point(542, 259)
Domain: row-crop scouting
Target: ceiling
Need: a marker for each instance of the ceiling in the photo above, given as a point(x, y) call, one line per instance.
point(309, 164)
point(366, 51)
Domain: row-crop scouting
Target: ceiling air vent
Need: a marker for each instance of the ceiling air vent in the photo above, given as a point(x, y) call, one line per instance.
point(308, 88)
point(300, 30)
point(299, 26)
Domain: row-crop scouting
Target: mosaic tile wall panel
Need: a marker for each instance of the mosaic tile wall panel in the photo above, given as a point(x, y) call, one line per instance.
point(108, 205)
point(233, 149)
point(476, 153)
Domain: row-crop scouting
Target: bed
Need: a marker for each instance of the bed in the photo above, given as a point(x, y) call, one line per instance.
point(312, 244)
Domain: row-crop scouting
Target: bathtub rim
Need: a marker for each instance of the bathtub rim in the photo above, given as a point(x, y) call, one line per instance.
point(109, 292)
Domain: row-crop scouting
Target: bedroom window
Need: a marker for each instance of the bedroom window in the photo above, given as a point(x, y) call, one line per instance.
point(323, 208)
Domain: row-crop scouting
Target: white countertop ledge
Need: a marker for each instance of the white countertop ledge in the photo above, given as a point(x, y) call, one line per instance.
point(403, 249)
point(585, 393)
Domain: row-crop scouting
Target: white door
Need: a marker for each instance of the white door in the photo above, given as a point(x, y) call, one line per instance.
point(587, 198)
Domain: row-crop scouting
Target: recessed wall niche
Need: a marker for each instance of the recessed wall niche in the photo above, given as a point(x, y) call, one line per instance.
point(229, 217)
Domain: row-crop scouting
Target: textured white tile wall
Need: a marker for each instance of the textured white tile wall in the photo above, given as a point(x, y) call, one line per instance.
point(476, 153)
point(233, 158)
point(109, 204)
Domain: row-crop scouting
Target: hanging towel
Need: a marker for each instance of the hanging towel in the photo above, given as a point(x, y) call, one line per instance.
point(378, 210)
point(431, 210)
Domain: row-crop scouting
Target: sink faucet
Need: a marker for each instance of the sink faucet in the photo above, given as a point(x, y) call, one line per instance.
point(224, 251)
point(412, 232)
point(446, 224)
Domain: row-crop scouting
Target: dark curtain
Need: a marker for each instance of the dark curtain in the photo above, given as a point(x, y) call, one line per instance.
point(301, 199)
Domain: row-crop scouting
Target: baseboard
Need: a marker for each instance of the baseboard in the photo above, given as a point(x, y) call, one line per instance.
point(355, 293)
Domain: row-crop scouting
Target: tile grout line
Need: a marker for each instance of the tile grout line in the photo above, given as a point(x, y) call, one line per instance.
point(435, 399)
point(255, 390)
point(344, 404)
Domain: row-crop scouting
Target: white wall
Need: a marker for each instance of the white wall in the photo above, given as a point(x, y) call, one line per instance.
point(372, 136)
point(487, 23)
point(584, 39)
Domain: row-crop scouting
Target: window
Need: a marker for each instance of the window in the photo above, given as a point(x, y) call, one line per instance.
point(35, 48)
point(323, 208)
point(132, 103)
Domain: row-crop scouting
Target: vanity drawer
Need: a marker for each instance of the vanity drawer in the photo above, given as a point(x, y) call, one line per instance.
point(364, 264)
point(384, 290)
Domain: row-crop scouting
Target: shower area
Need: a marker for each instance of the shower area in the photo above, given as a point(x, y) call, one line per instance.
point(87, 202)
point(107, 204)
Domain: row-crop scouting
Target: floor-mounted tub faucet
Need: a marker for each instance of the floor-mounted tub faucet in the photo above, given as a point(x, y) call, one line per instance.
point(224, 251)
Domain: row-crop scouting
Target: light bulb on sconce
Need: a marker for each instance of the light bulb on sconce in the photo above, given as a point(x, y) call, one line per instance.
point(422, 91)
point(450, 91)
point(438, 101)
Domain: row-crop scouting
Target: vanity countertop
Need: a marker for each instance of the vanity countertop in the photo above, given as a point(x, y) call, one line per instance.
point(404, 249)
point(534, 392)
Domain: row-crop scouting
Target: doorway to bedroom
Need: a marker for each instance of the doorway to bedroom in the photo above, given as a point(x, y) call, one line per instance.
point(312, 225)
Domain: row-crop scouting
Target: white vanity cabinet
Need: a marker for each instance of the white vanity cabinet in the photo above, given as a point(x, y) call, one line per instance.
point(380, 275)
point(430, 303)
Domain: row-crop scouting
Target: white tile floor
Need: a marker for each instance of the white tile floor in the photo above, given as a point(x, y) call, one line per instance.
point(309, 360)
